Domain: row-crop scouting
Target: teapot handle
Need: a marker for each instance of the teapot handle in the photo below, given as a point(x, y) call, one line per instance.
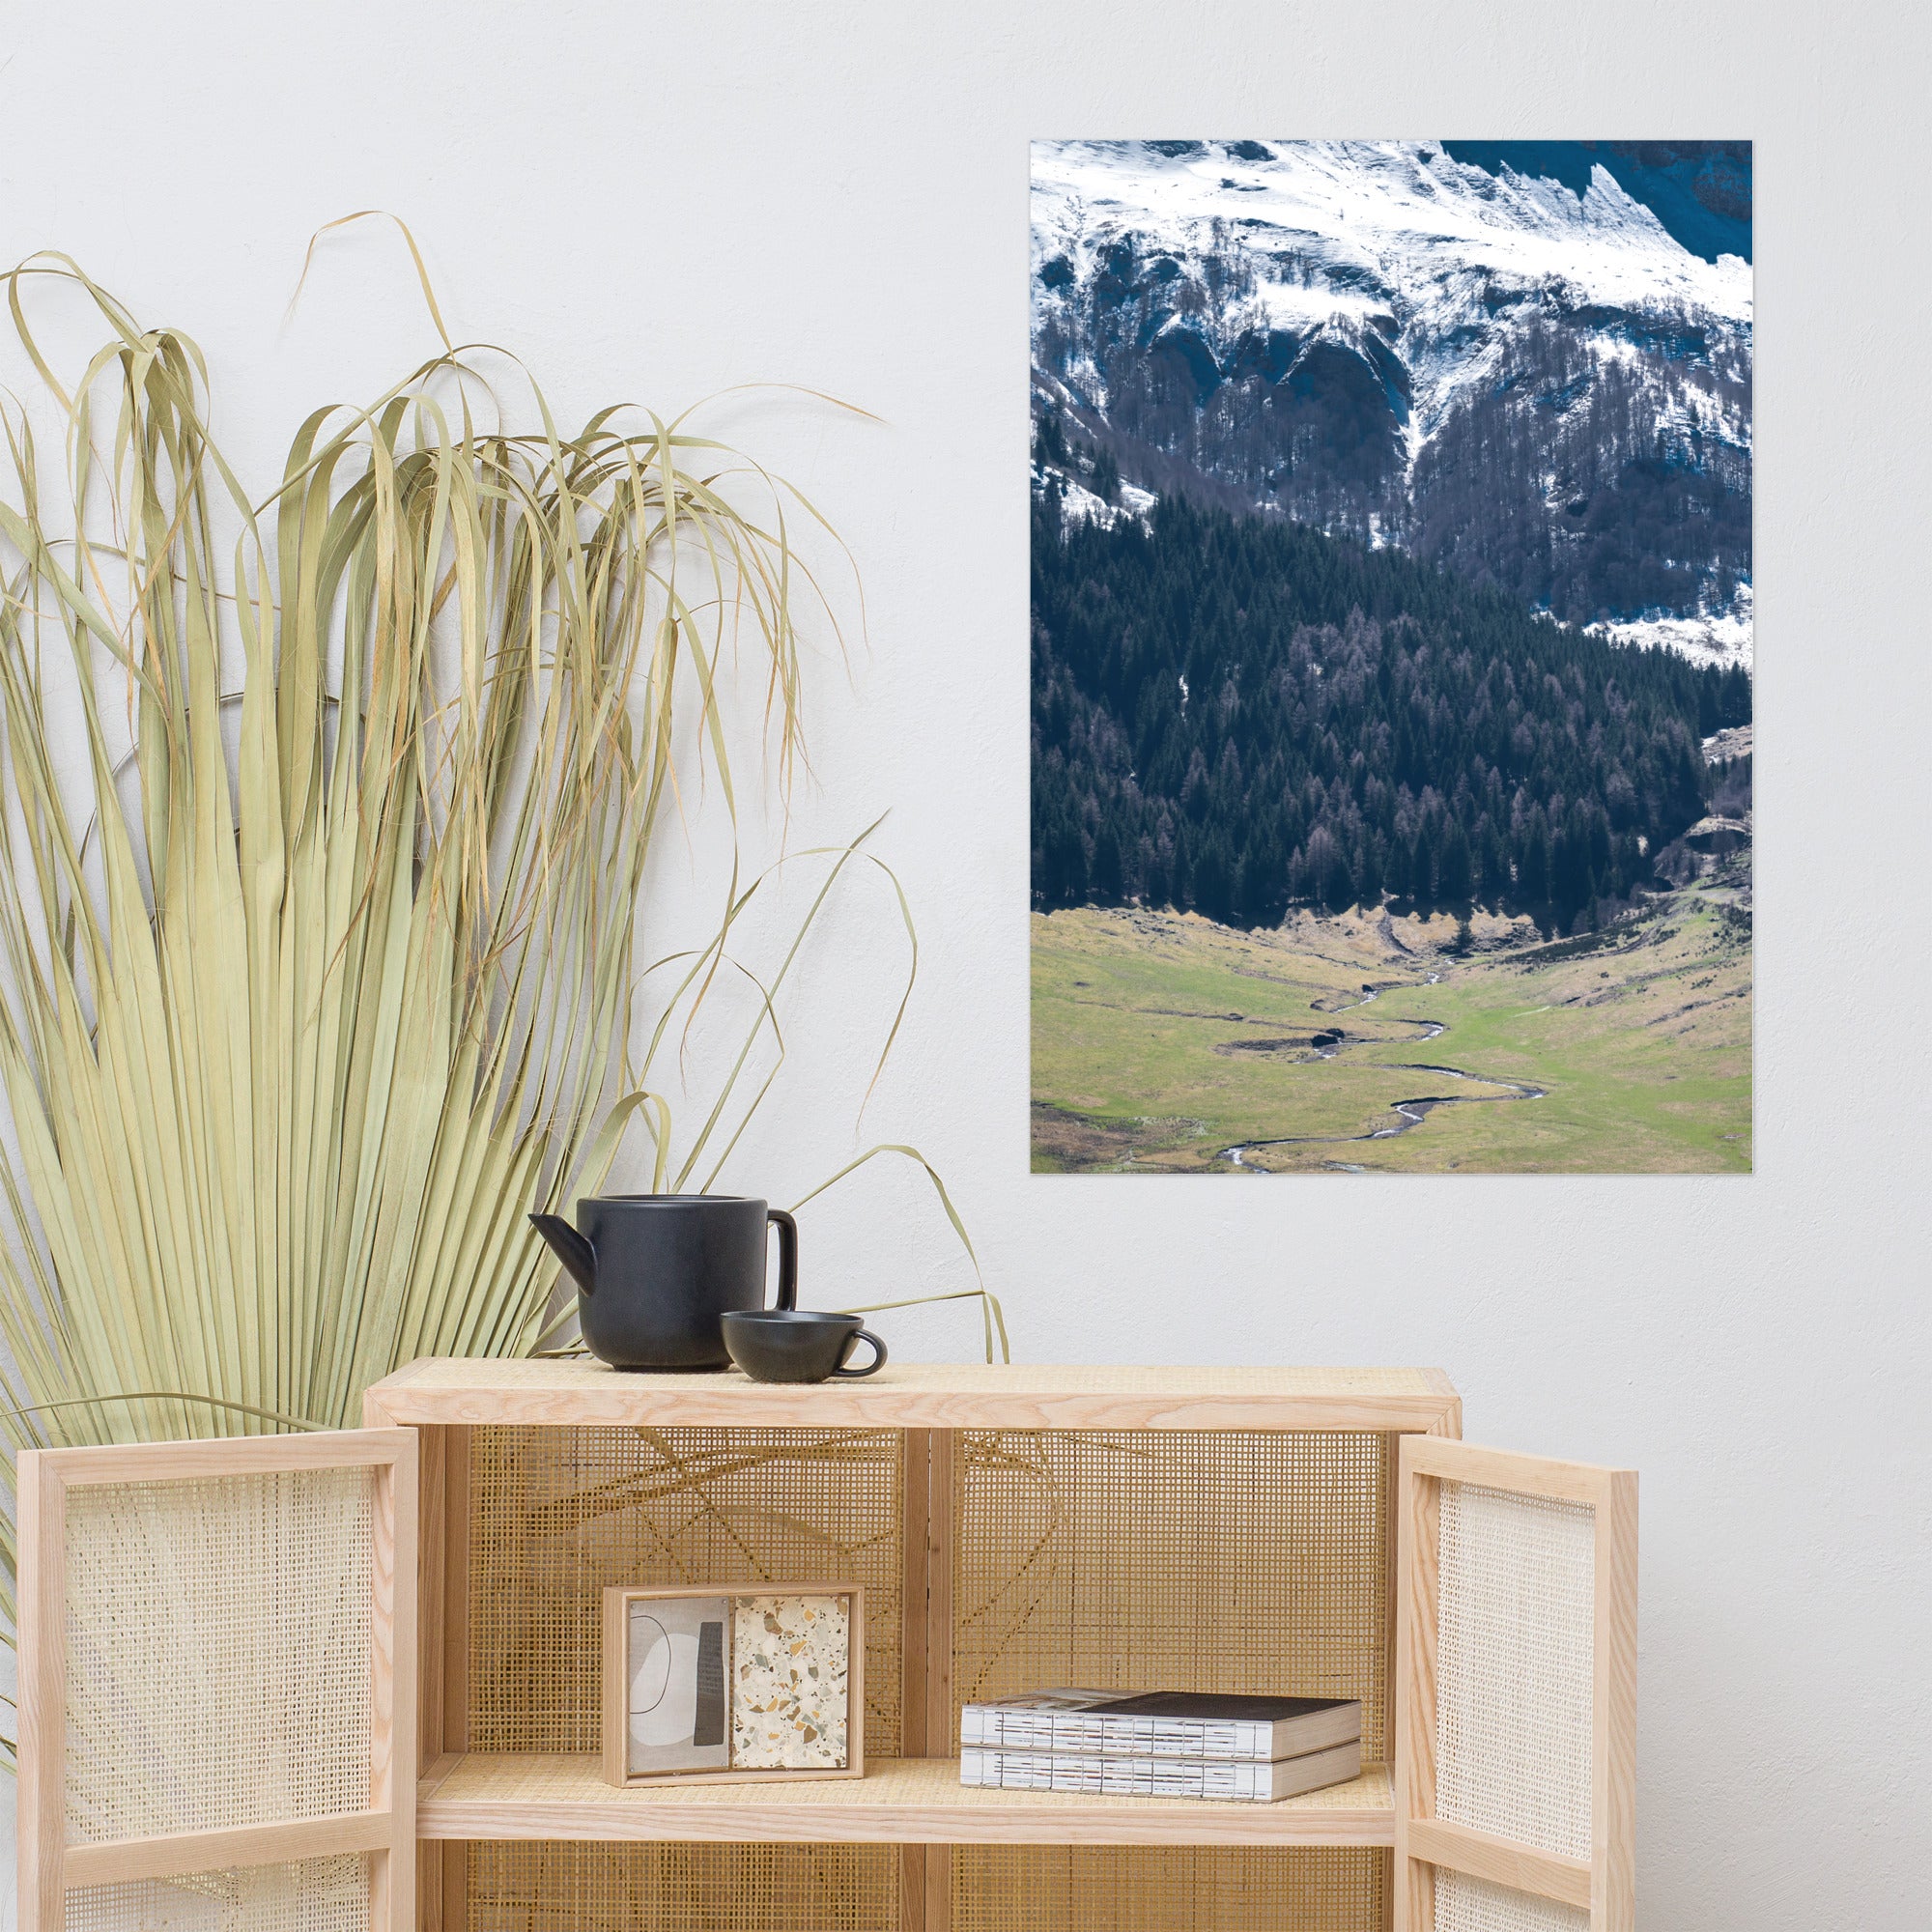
point(787, 1256)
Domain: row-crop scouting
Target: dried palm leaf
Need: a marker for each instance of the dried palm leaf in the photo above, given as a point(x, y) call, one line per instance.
point(321, 972)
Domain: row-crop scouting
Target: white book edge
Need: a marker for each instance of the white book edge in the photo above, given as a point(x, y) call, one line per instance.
point(1225, 1781)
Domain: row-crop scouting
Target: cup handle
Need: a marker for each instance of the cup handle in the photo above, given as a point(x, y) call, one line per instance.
point(787, 1256)
point(872, 1367)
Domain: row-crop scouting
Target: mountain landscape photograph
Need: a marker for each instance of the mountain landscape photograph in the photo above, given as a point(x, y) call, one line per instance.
point(1391, 656)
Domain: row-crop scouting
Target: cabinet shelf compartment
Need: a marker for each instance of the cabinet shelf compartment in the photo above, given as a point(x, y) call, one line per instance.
point(1211, 1529)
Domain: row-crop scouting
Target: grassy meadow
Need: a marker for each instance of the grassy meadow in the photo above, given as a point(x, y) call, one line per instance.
point(1162, 1041)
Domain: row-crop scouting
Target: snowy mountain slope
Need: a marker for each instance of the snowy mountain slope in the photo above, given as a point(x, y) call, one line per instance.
point(1714, 637)
point(1538, 388)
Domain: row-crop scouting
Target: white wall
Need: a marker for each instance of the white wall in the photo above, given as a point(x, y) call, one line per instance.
point(654, 201)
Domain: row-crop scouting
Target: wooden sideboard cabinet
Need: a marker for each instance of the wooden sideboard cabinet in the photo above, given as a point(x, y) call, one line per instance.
point(349, 1680)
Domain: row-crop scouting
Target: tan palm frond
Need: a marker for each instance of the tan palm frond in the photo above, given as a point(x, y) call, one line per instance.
point(320, 974)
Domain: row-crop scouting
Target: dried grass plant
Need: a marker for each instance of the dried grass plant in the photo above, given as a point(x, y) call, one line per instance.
point(321, 971)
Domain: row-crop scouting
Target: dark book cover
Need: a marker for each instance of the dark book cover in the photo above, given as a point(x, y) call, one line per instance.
point(1212, 1707)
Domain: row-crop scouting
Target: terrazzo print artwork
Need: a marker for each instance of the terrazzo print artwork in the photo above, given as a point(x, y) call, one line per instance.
point(790, 1662)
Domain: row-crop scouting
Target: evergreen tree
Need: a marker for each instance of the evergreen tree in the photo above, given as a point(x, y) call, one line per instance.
point(1109, 880)
point(1455, 872)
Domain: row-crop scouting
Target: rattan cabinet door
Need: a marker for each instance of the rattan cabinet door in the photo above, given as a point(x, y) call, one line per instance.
point(1515, 1692)
point(218, 1684)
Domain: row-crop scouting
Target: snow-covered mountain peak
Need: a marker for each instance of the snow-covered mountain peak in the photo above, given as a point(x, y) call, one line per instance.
point(1402, 213)
point(1339, 330)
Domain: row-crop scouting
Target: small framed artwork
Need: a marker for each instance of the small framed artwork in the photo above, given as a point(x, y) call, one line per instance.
point(746, 1683)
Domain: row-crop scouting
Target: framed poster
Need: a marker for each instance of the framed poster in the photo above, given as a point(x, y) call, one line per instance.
point(728, 1681)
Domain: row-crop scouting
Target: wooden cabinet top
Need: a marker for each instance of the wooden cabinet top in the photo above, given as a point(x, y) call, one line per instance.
point(916, 1395)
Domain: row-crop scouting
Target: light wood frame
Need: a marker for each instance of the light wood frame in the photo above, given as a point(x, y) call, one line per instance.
point(385, 1830)
point(1602, 1885)
point(615, 1725)
point(925, 1675)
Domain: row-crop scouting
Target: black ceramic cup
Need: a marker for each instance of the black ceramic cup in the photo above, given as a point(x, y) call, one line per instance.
point(793, 1344)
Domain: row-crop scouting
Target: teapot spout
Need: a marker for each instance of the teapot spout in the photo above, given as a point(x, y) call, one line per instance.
point(570, 1248)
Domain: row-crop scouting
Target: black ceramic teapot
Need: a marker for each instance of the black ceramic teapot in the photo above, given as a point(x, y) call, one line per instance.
point(655, 1272)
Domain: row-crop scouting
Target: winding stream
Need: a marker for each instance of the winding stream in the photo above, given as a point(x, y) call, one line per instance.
point(1411, 1113)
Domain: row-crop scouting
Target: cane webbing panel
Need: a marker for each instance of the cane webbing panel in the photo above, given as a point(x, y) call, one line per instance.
point(558, 1514)
point(1464, 1904)
point(1514, 1666)
point(313, 1895)
point(538, 1886)
point(218, 1652)
point(1115, 1888)
point(1249, 1561)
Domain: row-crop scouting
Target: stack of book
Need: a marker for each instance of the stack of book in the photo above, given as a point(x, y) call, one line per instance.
point(1164, 1744)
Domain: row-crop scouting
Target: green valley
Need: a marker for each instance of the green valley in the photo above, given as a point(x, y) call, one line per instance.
point(1164, 1042)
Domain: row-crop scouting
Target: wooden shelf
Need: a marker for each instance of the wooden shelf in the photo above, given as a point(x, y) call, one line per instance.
point(899, 1802)
point(580, 1391)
